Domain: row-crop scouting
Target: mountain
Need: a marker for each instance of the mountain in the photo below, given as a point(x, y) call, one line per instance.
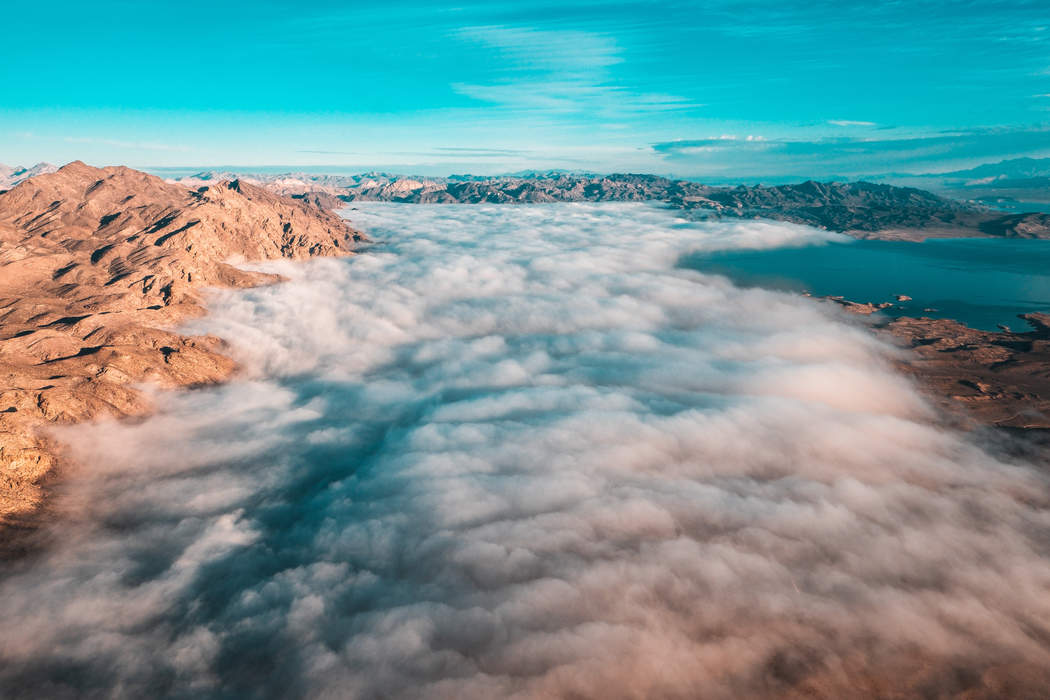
point(1016, 168)
point(863, 209)
point(96, 264)
point(1018, 185)
point(1031, 225)
point(9, 176)
point(838, 206)
point(558, 188)
point(1009, 184)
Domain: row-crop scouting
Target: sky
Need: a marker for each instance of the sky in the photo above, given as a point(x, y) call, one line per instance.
point(719, 89)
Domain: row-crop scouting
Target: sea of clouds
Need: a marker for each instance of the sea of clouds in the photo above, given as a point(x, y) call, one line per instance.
point(516, 451)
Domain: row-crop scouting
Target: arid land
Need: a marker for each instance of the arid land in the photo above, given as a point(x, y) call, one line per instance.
point(97, 266)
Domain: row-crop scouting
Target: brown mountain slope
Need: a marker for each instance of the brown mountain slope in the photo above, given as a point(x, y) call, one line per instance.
point(95, 265)
point(1001, 378)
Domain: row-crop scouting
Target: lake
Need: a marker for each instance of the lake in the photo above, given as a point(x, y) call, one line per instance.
point(982, 282)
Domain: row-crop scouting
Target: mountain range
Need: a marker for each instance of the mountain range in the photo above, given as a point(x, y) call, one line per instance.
point(11, 176)
point(96, 266)
point(1010, 198)
point(1016, 185)
point(863, 209)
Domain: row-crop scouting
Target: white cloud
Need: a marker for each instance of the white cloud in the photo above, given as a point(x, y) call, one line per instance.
point(560, 50)
point(559, 72)
point(131, 145)
point(573, 96)
point(518, 452)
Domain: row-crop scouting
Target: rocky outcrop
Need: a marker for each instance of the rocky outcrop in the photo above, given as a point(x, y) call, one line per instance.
point(866, 308)
point(1001, 378)
point(96, 266)
point(1033, 225)
point(321, 200)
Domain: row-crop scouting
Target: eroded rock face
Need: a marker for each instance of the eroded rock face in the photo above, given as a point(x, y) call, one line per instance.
point(1001, 378)
point(96, 264)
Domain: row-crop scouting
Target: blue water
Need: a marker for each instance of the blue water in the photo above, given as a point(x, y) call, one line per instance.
point(982, 282)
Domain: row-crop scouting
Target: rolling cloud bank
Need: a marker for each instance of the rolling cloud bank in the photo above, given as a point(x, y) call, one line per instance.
point(519, 452)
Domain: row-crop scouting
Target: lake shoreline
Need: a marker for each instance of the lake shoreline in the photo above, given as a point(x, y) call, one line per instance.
point(956, 305)
point(998, 378)
point(983, 283)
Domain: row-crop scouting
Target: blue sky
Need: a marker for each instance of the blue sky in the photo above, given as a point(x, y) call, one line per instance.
point(717, 89)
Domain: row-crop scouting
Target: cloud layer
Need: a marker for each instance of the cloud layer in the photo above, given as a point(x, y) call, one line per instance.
point(880, 150)
point(517, 452)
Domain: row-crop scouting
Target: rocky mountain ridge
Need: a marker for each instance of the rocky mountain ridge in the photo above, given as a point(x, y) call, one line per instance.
point(860, 208)
point(97, 265)
point(11, 176)
point(1017, 185)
